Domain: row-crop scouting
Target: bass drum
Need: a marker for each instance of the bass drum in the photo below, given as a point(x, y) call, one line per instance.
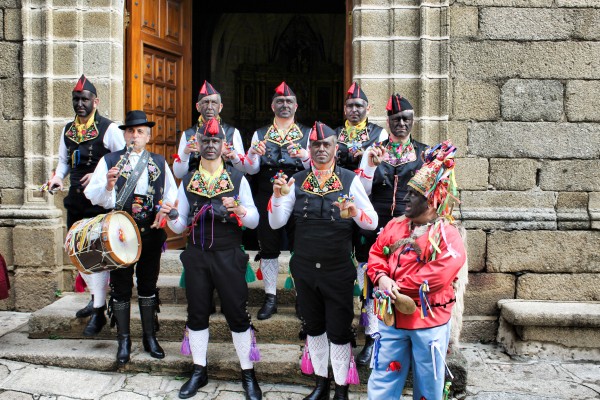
point(104, 243)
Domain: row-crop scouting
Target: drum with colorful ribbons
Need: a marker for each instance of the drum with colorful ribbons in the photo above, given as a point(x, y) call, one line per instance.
point(104, 243)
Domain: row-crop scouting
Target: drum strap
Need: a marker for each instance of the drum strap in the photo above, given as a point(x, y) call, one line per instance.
point(132, 181)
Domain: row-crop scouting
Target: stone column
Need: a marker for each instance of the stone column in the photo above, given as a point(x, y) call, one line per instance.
point(59, 40)
point(402, 47)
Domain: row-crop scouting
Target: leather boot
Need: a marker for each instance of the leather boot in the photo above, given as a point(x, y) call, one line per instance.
point(198, 379)
point(364, 357)
point(121, 313)
point(96, 322)
point(269, 307)
point(148, 308)
point(250, 385)
point(341, 392)
point(87, 310)
point(321, 390)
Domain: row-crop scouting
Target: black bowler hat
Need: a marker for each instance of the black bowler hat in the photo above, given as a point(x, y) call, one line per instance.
point(136, 118)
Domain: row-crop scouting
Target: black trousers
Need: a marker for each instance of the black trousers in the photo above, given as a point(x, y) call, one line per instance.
point(271, 240)
point(146, 269)
point(79, 207)
point(325, 296)
point(223, 270)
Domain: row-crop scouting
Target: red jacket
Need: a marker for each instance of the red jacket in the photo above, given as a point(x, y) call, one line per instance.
point(409, 273)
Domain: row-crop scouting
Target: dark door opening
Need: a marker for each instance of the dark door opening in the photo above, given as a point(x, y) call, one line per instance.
point(245, 49)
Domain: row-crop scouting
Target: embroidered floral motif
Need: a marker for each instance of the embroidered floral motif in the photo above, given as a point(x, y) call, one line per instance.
point(397, 154)
point(153, 170)
point(141, 207)
point(88, 134)
point(347, 136)
point(292, 135)
point(311, 185)
point(212, 188)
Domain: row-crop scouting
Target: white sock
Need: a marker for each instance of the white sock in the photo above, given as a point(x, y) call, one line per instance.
point(318, 347)
point(270, 271)
point(243, 343)
point(198, 345)
point(340, 361)
point(97, 284)
point(360, 276)
point(373, 326)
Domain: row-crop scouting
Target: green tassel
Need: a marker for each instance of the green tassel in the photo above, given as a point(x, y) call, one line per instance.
point(250, 275)
point(357, 291)
point(363, 240)
point(386, 250)
point(289, 283)
point(182, 279)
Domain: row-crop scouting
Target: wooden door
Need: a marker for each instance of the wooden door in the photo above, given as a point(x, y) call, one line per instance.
point(159, 75)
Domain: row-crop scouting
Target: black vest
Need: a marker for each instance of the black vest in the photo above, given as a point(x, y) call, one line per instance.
point(322, 235)
point(345, 160)
point(86, 153)
point(382, 193)
point(277, 158)
point(141, 207)
point(215, 225)
point(194, 160)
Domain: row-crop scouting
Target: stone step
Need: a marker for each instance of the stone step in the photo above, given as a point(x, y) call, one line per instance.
point(171, 293)
point(170, 263)
point(57, 320)
point(280, 363)
point(566, 330)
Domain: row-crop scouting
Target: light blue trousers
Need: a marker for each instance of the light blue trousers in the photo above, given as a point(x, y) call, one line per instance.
point(421, 350)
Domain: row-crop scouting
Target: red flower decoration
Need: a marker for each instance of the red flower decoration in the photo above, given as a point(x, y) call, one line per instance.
point(394, 367)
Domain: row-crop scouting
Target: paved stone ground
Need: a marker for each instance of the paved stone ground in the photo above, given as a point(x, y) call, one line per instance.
point(492, 376)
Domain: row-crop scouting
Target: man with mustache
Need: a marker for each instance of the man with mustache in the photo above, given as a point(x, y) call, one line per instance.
point(209, 106)
point(325, 203)
point(280, 146)
point(216, 202)
point(354, 138)
point(385, 171)
point(418, 257)
point(83, 143)
point(137, 185)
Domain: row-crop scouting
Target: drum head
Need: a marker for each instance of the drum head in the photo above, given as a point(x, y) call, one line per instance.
point(123, 238)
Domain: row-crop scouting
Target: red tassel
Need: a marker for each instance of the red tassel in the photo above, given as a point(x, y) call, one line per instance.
point(306, 365)
point(237, 218)
point(270, 206)
point(365, 217)
point(352, 378)
point(80, 284)
point(259, 275)
point(176, 157)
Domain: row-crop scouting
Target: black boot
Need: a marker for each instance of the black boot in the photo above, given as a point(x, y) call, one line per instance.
point(87, 310)
point(148, 309)
point(96, 322)
point(250, 385)
point(269, 307)
point(321, 390)
point(364, 357)
point(121, 311)
point(198, 379)
point(341, 392)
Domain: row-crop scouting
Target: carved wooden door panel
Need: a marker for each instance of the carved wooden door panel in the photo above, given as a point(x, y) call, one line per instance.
point(158, 76)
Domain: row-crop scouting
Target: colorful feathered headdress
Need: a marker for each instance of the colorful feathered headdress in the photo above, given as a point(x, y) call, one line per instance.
point(435, 180)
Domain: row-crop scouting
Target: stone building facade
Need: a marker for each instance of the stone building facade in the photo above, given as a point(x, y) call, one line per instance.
point(514, 83)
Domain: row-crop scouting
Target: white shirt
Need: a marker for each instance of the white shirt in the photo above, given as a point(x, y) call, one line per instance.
point(181, 168)
point(113, 140)
point(283, 206)
point(98, 195)
point(250, 220)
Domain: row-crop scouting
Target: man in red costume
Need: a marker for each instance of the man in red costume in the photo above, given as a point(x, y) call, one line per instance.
point(418, 256)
